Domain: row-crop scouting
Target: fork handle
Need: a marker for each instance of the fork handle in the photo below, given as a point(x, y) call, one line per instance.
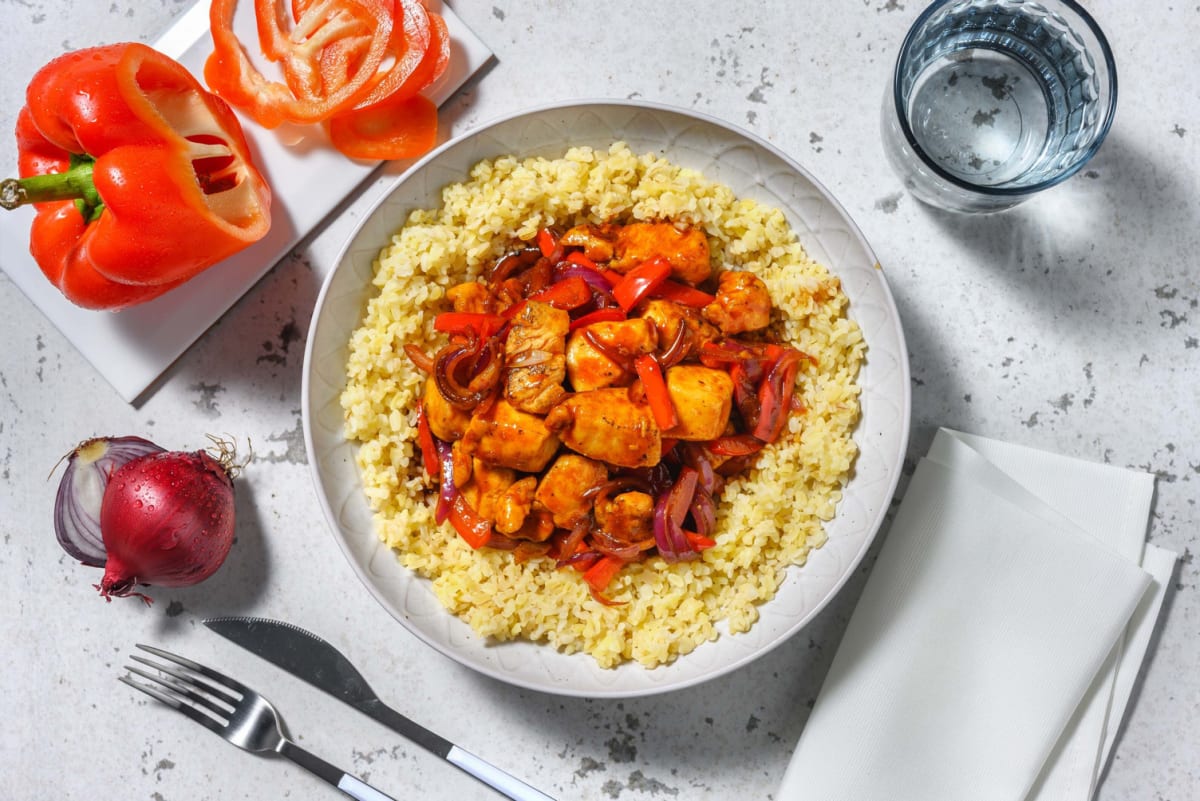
point(348, 784)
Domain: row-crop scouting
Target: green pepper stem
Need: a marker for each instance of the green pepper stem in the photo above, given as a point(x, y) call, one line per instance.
point(74, 184)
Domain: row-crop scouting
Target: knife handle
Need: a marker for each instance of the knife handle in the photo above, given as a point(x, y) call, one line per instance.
point(493, 777)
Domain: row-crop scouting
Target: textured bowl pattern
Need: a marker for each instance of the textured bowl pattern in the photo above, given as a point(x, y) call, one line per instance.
point(752, 168)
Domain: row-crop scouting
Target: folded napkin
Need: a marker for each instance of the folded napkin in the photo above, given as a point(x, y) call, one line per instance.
point(992, 652)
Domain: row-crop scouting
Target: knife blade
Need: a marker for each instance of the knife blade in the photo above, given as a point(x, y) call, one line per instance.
point(308, 657)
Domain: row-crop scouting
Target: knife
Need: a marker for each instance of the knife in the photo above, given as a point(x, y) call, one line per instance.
point(307, 656)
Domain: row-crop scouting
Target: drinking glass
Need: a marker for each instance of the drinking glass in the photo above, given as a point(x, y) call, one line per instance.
point(993, 101)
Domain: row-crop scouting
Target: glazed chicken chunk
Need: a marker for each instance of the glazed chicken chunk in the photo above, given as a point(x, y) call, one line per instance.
point(446, 421)
point(535, 352)
point(471, 296)
point(561, 490)
point(508, 437)
point(514, 505)
point(686, 250)
point(669, 317)
point(703, 398)
point(589, 367)
point(742, 303)
point(604, 424)
point(487, 487)
point(628, 517)
point(596, 241)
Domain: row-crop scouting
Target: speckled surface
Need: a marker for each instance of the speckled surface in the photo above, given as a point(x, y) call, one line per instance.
point(1071, 323)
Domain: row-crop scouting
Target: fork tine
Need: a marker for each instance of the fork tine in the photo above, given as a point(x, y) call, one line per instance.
point(189, 692)
point(188, 680)
point(176, 704)
point(196, 667)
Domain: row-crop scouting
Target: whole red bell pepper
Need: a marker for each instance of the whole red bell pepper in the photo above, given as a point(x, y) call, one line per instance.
point(141, 178)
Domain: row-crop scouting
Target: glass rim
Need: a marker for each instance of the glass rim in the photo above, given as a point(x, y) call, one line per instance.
point(1001, 191)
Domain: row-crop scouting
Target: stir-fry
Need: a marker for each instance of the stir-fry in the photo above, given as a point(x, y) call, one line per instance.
point(596, 392)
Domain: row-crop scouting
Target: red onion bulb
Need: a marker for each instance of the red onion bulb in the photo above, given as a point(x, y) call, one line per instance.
point(167, 520)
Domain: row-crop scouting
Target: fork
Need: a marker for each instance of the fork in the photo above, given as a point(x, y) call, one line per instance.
point(237, 713)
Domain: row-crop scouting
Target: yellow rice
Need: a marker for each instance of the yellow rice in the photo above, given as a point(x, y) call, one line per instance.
point(768, 519)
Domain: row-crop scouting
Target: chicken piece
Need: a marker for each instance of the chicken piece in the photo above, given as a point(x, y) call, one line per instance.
point(487, 487)
point(538, 527)
point(446, 421)
point(508, 437)
point(606, 425)
point(589, 367)
point(460, 464)
point(668, 317)
point(703, 397)
point(514, 505)
point(628, 517)
point(596, 241)
point(561, 489)
point(535, 355)
point(471, 296)
point(686, 249)
point(742, 303)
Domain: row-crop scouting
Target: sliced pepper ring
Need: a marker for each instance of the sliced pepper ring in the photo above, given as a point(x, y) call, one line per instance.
point(327, 89)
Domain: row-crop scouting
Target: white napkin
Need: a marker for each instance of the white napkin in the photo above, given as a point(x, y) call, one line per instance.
point(985, 658)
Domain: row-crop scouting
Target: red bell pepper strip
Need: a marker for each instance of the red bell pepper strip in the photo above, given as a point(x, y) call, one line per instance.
point(683, 294)
point(656, 391)
point(396, 127)
point(639, 282)
point(699, 542)
point(602, 572)
point(775, 395)
point(141, 178)
point(546, 242)
point(480, 324)
point(735, 445)
point(569, 293)
point(598, 316)
point(576, 257)
point(475, 530)
point(429, 453)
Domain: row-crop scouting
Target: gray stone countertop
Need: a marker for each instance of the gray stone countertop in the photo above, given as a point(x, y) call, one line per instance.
point(1069, 324)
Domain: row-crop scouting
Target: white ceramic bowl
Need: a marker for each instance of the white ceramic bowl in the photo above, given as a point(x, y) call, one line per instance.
point(752, 168)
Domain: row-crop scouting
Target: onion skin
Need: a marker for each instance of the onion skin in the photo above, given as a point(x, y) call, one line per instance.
point(168, 520)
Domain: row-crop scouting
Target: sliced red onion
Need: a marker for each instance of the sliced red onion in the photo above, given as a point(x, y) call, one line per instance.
point(609, 545)
point(571, 543)
point(476, 356)
point(676, 350)
point(594, 278)
point(514, 263)
point(81, 491)
point(696, 457)
point(704, 512)
point(420, 359)
point(669, 514)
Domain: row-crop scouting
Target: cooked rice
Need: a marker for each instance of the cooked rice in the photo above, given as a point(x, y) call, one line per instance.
point(767, 519)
